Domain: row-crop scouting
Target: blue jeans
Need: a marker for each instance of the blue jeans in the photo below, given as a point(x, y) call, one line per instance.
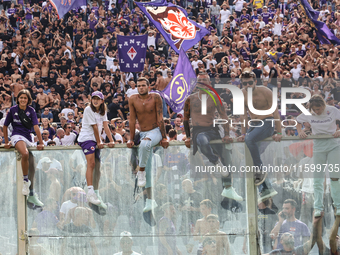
point(145, 151)
point(203, 142)
point(254, 135)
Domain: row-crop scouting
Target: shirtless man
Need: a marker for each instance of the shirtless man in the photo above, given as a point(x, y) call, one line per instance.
point(16, 87)
point(204, 132)
point(221, 238)
point(65, 81)
point(16, 75)
point(96, 79)
point(160, 82)
point(148, 109)
point(36, 68)
point(42, 99)
point(202, 225)
point(262, 100)
point(168, 78)
point(35, 37)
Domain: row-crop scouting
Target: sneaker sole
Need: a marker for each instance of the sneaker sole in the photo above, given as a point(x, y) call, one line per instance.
point(261, 181)
point(266, 197)
point(238, 200)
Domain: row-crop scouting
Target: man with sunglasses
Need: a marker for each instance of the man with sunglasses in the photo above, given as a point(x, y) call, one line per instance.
point(69, 137)
point(262, 100)
point(45, 138)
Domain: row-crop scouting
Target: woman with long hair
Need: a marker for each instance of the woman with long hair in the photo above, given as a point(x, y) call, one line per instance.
point(325, 151)
point(94, 120)
point(45, 125)
point(23, 118)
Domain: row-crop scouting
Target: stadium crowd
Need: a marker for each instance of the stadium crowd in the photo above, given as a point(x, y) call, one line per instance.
point(63, 61)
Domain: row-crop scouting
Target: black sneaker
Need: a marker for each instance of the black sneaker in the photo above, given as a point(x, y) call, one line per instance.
point(266, 194)
point(259, 178)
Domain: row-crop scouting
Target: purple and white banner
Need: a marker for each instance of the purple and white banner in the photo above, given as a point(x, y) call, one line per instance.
point(132, 52)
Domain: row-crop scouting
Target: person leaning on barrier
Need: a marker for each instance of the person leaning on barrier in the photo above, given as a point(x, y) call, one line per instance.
point(126, 244)
point(23, 117)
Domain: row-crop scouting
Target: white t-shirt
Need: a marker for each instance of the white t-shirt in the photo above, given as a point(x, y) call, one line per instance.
point(66, 206)
point(65, 111)
point(109, 63)
point(324, 124)
point(224, 15)
point(55, 164)
point(195, 64)
point(57, 141)
point(68, 140)
point(239, 5)
point(131, 92)
point(118, 137)
point(296, 72)
point(211, 62)
point(91, 118)
point(152, 41)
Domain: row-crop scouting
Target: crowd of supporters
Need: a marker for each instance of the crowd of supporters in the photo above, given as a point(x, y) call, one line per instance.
point(62, 61)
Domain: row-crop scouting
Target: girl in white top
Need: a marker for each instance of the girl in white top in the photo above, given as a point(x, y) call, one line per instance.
point(325, 151)
point(94, 119)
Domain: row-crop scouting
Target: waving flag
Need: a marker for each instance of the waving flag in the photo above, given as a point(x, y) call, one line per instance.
point(132, 52)
point(180, 86)
point(324, 34)
point(172, 22)
point(64, 6)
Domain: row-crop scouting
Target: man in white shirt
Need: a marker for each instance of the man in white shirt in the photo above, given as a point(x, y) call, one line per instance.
point(295, 71)
point(133, 90)
point(224, 14)
point(126, 244)
point(195, 62)
point(109, 60)
point(60, 134)
point(69, 137)
point(151, 38)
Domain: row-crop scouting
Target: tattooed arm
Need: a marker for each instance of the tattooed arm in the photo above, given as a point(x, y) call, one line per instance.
point(160, 121)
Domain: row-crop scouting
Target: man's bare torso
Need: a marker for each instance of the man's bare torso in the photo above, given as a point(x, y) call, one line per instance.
point(260, 101)
point(145, 111)
point(195, 111)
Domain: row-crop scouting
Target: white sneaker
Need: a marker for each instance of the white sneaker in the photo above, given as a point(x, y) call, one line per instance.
point(231, 193)
point(141, 175)
point(150, 205)
point(92, 198)
point(102, 203)
point(26, 188)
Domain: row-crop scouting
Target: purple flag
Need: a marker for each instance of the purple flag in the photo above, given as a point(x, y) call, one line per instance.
point(64, 6)
point(182, 83)
point(172, 22)
point(132, 52)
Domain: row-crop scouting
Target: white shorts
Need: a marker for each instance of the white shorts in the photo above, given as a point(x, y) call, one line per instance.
point(17, 138)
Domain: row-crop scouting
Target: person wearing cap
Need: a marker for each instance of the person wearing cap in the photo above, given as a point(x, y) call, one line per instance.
point(94, 120)
point(126, 244)
point(23, 118)
point(93, 62)
point(150, 118)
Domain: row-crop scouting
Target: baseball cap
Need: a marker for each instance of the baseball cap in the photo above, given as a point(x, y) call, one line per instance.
point(98, 94)
point(91, 53)
point(125, 234)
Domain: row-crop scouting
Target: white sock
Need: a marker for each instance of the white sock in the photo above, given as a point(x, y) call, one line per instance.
point(90, 188)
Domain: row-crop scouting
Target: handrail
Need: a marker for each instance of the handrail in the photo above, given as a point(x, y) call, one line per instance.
point(172, 143)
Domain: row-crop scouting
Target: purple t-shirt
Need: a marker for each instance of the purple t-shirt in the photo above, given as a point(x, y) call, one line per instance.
point(29, 15)
point(297, 228)
point(265, 16)
point(18, 128)
point(92, 24)
point(11, 11)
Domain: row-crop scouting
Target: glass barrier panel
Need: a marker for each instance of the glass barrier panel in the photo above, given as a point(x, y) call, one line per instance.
point(67, 224)
point(8, 201)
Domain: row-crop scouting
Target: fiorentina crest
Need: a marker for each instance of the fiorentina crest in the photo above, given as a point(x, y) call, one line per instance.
point(132, 53)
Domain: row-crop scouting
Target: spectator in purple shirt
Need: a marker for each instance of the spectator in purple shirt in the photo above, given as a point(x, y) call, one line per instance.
point(92, 62)
point(92, 22)
point(23, 118)
point(265, 15)
point(288, 223)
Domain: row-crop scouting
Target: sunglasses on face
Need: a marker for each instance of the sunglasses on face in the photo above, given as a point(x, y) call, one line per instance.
point(246, 83)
